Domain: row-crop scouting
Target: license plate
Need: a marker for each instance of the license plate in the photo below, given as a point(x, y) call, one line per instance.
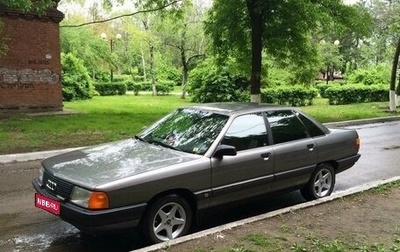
point(47, 204)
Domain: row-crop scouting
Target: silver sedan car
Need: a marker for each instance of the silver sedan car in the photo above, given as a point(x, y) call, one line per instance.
point(195, 158)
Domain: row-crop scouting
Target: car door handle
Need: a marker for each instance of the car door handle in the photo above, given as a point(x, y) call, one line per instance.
point(266, 156)
point(310, 147)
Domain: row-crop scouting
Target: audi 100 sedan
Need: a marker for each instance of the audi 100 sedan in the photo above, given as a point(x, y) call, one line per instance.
point(196, 157)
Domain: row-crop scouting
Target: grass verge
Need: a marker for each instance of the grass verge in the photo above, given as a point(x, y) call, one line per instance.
point(104, 119)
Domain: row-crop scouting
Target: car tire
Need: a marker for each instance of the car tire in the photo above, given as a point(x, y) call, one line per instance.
point(321, 183)
point(167, 218)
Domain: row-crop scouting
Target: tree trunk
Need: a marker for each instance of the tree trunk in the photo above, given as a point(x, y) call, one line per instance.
point(144, 67)
point(152, 71)
point(185, 67)
point(256, 49)
point(392, 94)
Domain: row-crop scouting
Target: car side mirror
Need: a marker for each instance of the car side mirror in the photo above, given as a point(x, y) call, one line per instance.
point(225, 150)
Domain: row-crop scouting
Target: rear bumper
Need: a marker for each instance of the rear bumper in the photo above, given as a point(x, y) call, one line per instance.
point(346, 163)
point(99, 221)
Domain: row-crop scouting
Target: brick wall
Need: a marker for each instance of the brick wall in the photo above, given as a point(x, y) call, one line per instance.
point(30, 71)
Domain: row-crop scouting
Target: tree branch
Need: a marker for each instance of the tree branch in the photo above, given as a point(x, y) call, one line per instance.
point(121, 16)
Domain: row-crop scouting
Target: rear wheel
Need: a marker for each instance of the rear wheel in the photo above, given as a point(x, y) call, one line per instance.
point(321, 183)
point(167, 218)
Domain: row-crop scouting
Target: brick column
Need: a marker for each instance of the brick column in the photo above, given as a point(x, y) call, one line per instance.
point(30, 72)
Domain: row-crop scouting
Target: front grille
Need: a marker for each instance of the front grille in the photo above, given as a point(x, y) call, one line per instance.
point(57, 186)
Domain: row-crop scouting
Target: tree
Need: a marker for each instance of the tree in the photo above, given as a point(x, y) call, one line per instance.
point(392, 94)
point(185, 35)
point(386, 38)
point(281, 28)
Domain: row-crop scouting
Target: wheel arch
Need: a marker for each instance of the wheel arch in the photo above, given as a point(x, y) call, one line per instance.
point(334, 164)
point(184, 193)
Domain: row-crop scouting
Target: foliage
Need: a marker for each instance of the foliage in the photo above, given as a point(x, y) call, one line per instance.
point(282, 28)
point(113, 88)
point(348, 94)
point(371, 75)
point(217, 84)
point(322, 87)
point(29, 5)
point(75, 79)
point(294, 96)
point(166, 71)
point(86, 43)
point(164, 87)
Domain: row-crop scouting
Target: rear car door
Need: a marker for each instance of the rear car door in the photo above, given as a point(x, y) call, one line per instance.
point(250, 172)
point(294, 150)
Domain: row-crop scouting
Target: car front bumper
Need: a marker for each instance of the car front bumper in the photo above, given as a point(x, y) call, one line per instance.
point(96, 221)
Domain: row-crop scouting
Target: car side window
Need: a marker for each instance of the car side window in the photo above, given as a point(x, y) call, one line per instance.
point(247, 132)
point(286, 126)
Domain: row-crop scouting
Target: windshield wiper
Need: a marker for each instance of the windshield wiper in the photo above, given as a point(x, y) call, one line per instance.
point(165, 145)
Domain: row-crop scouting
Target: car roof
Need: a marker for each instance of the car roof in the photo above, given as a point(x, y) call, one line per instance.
point(229, 108)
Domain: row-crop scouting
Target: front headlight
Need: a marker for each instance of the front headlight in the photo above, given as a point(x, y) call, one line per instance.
point(89, 199)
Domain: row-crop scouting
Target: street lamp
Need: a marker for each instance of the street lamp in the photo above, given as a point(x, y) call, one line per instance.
point(104, 36)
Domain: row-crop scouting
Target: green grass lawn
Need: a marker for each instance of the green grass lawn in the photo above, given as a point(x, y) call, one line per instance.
point(104, 119)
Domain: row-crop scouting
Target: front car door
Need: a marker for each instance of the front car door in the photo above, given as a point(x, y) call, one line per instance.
point(294, 149)
point(250, 172)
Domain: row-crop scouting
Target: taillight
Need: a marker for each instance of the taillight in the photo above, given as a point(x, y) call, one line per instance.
point(358, 143)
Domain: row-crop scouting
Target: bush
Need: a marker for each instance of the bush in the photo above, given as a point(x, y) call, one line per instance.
point(209, 83)
point(135, 87)
point(163, 87)
point(356, 93)
point(76, 82)
point(370, 76)
point(322, 87)
point(106, 89)
point(294, 95)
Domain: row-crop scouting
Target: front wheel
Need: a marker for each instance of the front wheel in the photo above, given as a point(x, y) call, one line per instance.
point(167, 218)
point(321, 183)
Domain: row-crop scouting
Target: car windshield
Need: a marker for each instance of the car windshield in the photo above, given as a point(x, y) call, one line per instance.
point(186, 130)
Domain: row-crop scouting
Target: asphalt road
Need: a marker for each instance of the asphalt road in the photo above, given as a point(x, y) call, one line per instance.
point(25, 228)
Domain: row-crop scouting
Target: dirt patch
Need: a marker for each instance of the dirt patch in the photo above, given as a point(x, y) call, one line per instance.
point(368, 221)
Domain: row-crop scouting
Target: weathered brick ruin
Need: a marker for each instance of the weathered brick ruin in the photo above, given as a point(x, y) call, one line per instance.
point(30, 72)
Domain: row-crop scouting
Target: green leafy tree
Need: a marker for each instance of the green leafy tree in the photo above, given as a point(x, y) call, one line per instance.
point(86, 43)
point(281, 28)
point(184, 34)
point(76, 82)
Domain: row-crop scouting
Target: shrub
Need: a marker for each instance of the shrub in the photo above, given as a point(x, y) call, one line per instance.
point(294, 95)
point(106, 89)
point(76, 82)
point(322, 87)
point(370, 76)
point(356, 93)
point(211, 84)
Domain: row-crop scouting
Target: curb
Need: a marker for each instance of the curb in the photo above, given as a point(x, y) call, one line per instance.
point(216, 230)
point(23, 157)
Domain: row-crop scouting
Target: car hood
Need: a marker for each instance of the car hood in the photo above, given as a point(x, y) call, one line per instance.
point(99, 165)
